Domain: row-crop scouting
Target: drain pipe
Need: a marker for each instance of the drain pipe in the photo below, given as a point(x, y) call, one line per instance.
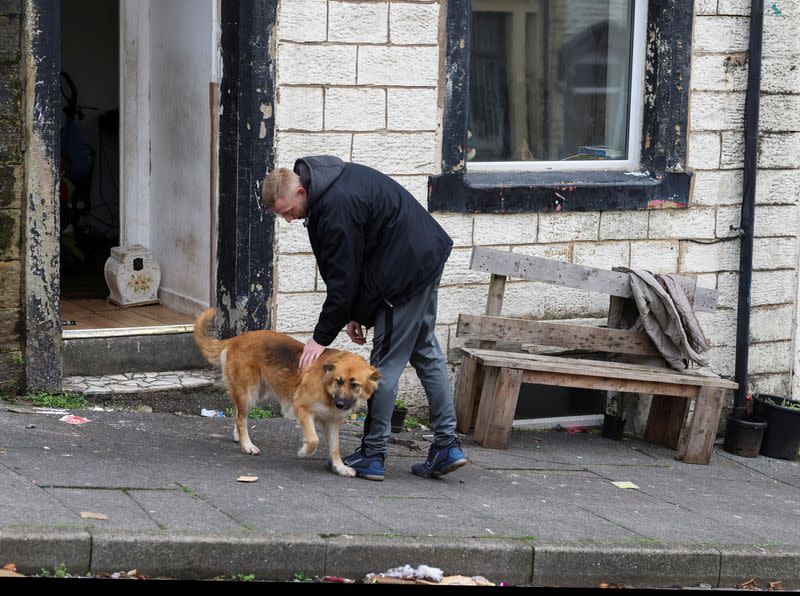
point(748, 203)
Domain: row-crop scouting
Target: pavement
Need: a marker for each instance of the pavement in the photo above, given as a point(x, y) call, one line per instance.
point(544, 512)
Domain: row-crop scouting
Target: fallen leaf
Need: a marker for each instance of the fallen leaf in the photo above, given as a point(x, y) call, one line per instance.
point(247, 478)
point(72, 419)
point(777, 586)
point(750, 584)
point(93, 515)
point(10, 567)
point(624, 484)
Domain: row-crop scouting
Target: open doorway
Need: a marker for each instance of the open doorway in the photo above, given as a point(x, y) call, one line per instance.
point(138, 133)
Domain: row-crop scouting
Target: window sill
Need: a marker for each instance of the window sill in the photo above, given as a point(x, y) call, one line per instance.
point(525, 192)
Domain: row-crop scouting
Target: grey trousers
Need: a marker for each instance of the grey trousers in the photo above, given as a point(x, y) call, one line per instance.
point(409, 329)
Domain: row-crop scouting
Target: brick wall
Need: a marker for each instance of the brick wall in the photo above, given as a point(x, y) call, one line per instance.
point(361, 80)
point(10, 196)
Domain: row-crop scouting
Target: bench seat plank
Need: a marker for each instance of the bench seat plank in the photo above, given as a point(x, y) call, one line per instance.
point(598, 368)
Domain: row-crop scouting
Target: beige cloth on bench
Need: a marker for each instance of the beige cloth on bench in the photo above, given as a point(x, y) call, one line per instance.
point(662, 306)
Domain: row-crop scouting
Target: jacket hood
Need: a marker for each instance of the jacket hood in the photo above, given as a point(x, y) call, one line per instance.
point(324, 170)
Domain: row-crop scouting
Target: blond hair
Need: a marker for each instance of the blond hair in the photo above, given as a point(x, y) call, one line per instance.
point(278, 183)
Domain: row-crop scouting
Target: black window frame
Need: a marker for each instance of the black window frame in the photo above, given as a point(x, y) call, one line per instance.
point(662, 179)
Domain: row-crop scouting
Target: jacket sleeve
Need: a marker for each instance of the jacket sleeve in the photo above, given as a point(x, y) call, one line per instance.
point(341, 255)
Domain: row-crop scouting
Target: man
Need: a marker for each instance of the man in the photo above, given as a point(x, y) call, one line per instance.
point(381, 255)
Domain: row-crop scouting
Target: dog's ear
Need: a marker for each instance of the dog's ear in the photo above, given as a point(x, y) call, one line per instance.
point(327, 366)
point(376, 375)
point(372, 380)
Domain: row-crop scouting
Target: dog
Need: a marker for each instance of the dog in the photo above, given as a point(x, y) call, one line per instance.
point(258, 364)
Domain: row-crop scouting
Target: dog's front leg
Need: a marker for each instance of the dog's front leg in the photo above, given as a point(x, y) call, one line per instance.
point(310, 438)
point(332, 431)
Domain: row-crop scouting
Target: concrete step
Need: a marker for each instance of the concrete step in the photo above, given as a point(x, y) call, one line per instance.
point(142, 349)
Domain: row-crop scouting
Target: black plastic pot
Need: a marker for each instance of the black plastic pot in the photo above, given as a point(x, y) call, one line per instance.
point(782, 435)
point(398, 417)
point(743, 436)
point(613, 426)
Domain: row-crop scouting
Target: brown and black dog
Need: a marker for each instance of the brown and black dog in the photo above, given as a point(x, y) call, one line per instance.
point(259, 364)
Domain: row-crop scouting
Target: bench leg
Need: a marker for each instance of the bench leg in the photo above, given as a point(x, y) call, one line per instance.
point(468, 386)
point(696, 447)
point(497, 406)
point(665, 420)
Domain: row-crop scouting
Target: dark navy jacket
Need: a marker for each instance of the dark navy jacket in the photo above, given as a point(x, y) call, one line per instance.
point(375, 245)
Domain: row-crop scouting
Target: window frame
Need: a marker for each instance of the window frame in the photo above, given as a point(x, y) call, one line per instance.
point(661, 179)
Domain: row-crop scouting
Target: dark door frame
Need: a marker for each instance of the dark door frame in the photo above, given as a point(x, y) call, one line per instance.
point(246, 140)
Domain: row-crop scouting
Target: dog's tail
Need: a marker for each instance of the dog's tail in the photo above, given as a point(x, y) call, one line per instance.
point(210, 348)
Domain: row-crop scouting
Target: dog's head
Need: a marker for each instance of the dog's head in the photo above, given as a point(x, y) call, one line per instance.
point(348, 379)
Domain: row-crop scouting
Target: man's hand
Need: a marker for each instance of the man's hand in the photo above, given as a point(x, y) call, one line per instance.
point(311, 351)
point(356, 333)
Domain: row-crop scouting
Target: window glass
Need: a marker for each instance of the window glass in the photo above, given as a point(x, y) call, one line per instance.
point(550, 80)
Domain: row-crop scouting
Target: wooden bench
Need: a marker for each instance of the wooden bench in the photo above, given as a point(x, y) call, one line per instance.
point(488, 384)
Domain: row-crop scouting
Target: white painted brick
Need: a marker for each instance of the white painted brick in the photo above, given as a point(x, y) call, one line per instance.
point(734, 7)
point(414, 23)
point(773, 357)
point(719, 72)
point(401, 66)
point(779, 113)
point(721, 187)
point(706, 280)
point(298, 312)
point(604, 255)
point(312, 64)
point(770, 220)
point(355, 109)
point(732, 150)
point(767, 288)
point(657, 257)
point(358, 23)
point(531, 300)
point(719, 327)
point(505, 229)
point(774, 253)
point(723, 360)
point(416, 185)
point(720, 34)
point(461, 299)
point(299, 108)
point(780, 33)
point(303, 20)
point(564, 227)
point(682, 223)
point(457, 226)
point(457, 271)
point(393, 153)
point(777, 186)
point(779, 75)
point(771, 384)
point(412, 109)
point(623, 225)
point(292, 237)
point(291, 145)
point(702, 258)
point(296, 273)
point(704, 151)
point(716, 111)
point(705, 7)
point(779, 150)
point(559, 252)
point(771, 323)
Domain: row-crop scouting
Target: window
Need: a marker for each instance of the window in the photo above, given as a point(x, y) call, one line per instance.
point(554, 81)
point(564, 105)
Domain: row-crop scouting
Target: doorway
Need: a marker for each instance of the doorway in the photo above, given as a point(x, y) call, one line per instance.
point(138, 138)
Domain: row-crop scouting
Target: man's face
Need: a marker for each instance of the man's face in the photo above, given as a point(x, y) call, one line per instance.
point(292, 205)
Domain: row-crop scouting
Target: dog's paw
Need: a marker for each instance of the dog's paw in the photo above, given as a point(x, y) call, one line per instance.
point(345, 471)
point(307, 450)
point(251, 449)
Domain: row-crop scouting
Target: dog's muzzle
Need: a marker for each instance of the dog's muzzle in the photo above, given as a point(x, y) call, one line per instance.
point(344, 403)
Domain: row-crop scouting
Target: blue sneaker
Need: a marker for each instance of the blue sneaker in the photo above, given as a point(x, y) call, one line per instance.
point(441, 461)
point(366, 466)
